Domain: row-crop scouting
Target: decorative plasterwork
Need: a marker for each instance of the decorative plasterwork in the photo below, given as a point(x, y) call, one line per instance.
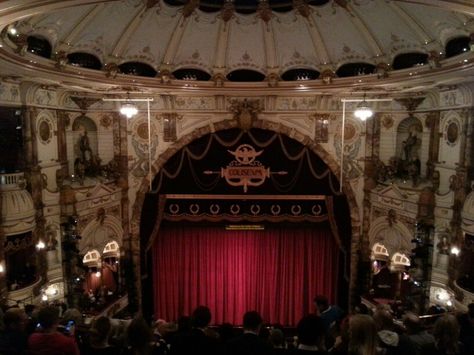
point(395, 237)
point(467, 214)
point(99, 232)
point(391, 197)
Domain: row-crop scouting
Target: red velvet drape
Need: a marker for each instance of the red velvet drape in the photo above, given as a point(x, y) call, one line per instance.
point(277, 272)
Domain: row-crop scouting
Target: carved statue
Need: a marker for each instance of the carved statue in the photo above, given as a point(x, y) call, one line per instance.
point(84, 147)
point(409, 145)
point(443, 246)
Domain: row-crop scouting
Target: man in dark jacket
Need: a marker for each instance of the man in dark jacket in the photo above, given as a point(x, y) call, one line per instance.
point(249, 343)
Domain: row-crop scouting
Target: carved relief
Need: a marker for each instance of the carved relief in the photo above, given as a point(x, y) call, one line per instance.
point(45, 130)
point(245, 112)
point(142, 147)
point(451, 132)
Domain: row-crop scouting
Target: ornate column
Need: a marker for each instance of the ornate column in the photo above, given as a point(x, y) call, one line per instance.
point(372, 148)
point(432, 122)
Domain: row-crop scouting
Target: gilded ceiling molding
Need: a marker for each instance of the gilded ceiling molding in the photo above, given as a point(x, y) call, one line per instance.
point(264, 11)
point(302, 7)
point(64, 44)
point(190, 7)
point(124, 38)
point(228, 10)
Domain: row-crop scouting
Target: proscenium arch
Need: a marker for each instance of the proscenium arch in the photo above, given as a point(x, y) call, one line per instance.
point(279, 128)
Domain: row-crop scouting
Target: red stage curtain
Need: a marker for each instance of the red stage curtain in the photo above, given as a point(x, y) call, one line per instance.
point(277, 272)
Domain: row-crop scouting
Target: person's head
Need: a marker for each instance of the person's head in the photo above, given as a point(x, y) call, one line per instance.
point(184, 324)
point(48, 317)
point(412, 323)
point(14, 319)
point(252, 321)
point(383, 319)
point(361, 309)
point(362, 335)
point(100, 329)
point(311, 330)
point(277, 338)
point(321, 303)
point(73, 314)
point(201, 317)
point(139, 334)
point(446, 333)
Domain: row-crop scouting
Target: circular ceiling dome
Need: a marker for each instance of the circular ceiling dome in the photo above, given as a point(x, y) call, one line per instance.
point(271, 37)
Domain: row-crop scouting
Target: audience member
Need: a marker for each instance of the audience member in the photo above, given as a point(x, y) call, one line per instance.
point(249, 343)
point(363, 338)
point(466, 322)
point(13, 339)
point(47, 340)
point(311, 335)
point(420, 337)
point(278, 342)
point(199, 339)
point(390, 336)
point(99, 338)
point(446, 333)
point(140, 339)
point(330, 314)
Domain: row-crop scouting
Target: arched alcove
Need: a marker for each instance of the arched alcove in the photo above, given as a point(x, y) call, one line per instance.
point(82, 145)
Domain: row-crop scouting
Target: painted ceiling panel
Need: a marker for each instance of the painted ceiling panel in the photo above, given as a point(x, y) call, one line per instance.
point(342, 38)
point(291, 53)
point(151, 38)
point(246, 46)
point(198, 46)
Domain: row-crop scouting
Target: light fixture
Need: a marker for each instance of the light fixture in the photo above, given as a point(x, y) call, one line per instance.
point(97, 274)
point(40, 245)
point(128, 109)
point(44, 298)
point(363, 111)
point(455, 250)
point(2, 268)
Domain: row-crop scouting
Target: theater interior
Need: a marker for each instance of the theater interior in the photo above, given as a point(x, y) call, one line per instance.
point(157, 155)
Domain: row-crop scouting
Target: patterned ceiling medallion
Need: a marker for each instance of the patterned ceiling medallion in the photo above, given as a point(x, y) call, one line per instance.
point(45, 130)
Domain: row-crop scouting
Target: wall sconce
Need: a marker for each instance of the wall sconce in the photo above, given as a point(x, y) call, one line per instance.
point(40, 245)
point(2, 267)
point(455, 250)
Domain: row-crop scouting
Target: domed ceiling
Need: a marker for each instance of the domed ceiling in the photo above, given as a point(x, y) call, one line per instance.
point(289, 39)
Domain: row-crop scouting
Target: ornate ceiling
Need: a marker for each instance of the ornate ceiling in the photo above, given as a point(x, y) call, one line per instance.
point(219, 37)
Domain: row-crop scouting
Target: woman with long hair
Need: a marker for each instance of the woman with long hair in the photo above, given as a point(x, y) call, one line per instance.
point(362, 335)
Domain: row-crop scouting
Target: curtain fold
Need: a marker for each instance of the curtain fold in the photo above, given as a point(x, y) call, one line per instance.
point(277, 271)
